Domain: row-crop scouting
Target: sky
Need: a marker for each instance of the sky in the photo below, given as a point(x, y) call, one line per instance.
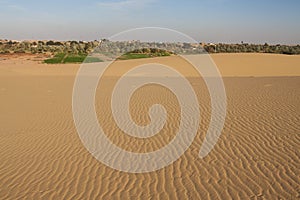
point(228, 21)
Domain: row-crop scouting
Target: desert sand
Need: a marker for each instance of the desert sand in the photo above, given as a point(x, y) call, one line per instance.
point(257, 155)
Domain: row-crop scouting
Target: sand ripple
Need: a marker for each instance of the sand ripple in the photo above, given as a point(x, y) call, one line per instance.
point(257, 155)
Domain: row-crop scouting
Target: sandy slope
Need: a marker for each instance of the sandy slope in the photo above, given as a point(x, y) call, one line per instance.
point(256, 156)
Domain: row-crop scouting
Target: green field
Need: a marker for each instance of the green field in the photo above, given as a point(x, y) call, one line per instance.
point(129, 56)
point(71, 58)
point(80, 58)
point(58, 58)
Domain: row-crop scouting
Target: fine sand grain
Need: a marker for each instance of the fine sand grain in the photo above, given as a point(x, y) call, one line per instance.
point(257, 155)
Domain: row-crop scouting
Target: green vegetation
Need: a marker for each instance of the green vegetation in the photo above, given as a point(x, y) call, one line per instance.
point(144, 53)
point(129, 56)
point(71, 58)
point(80, 57)
point(58, 58)
point(253, 48)
point(74, 58)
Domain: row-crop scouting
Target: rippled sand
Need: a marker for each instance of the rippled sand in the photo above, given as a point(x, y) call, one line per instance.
point(257, 155)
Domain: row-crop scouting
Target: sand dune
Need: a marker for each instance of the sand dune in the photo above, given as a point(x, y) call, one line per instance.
point(257, 155)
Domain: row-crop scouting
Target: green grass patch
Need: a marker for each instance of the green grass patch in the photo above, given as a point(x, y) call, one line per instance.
point(71, 58)
point(129, 56)
point(74, 58)
point(58, 58)
point(63, 58)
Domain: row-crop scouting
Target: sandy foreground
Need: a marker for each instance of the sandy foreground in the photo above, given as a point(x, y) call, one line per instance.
point(257, 156)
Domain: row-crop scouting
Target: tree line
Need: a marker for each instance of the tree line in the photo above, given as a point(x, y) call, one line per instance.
point(82, 47)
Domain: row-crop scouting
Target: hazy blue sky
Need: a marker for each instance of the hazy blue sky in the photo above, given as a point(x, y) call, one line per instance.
point(258, 21)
